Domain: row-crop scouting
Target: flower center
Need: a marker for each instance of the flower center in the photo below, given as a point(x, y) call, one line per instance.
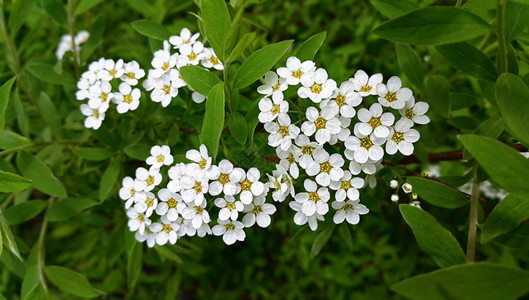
point(203, 163)
point(297, 74)
point(230, 226)
point(276, 86)
point(113, 72)
point(291, 159)
point(172, 203)
point(132, 192)
point(307, 149)
point(230, 205)
point(325, 167)
point(198, 187)
point(365, 88)
point(409, 113)
point(192, 56)
point(167, 89)
point(320, 123)
point(167, 228)
point(149, 202)
point(127, 99)
point(246, 185)
point(277, 184)
point(314, 197)
point(316, 88)
point(165, 66)
point(95, 113)
point(398, 137)
point(104, 97)
point(366, 143)
point(345, 185)
point(131, 75)
point(160, 158)
point(257, 209)
point(141, 218)
point(214, 60)
point(275, 109)
point(224, 178)
point(347, 207)
point(391, 97)
point(199, 209)
point(283, 130)
point(150, 180)
point(374, 122)
point(340, 100)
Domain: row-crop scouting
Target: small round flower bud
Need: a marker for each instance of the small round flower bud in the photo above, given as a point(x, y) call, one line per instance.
point(393, 184)
point(414, 196)
point(407, 188)
point(416, 204)
point(395, 198)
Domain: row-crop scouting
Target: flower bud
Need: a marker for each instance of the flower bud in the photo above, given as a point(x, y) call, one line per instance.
point(393, 184)
point(395, 198)
point(407, 188)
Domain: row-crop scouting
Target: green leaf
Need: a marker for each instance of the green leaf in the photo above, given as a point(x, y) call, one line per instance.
point(321, 240)
point(492, 127)
point(85, 5)
point(392, 8)
point(10, 183)
point(436, 193)
point(213, 119)
point(40, 174)
point(109, 179)
point(68, 208)
point(307, 50)
point(433, 26)
point(468, 59)
point(134, 265)
point(137, 151)
point(511, 96)
point(50, 115)
point(216, 23)
point(22, 117)
point(506, 216)
point(10, 140)
point(24, 211)
point(242, 44)
point(96, 154)
point(516, 239)
point(71, 282)
point(504, 164)
point(7, 238)
point(516, 19)
point(19, 14)
point(467, 282)
point(432, 237)
point(151, 29)
point(31, 278)
point(410, 64)
point(438, 94)
point(199, 79)
point(165, 252)
point(47, 73)
point(4, 99)
point(56, 10)
point(257, 64)
point(345, 234)
point(95, 39)
point(238, 128)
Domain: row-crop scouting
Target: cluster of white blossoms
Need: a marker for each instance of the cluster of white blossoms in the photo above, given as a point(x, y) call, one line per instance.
point(96, 86)
point(66, 43)
point(170, 200)
point(164, 78)
point(334, 117)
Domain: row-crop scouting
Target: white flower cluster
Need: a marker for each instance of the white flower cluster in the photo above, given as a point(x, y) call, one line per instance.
point(329, 121)
point(160, 214)
point(96, 86)
point(66, 43)
point(164, 79)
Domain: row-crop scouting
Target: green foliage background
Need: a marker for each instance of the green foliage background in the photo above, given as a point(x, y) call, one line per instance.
point(70, 216)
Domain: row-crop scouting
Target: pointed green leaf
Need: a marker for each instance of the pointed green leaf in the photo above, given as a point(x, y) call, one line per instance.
point(47, 73)
point(85, 5)
point(238, 128)
point(213, 119)
point(22, 117)
point(307, 50)
point(468, 59)
point(201, 80)
point(506, 216)
point(436, 193)
point(24, 211)
point(31, 278)
point(242, 44)
point(40, 174)
point(217, 22)
point(50, 115)
point(321, 240)
point(138, 151)
point(151, 29)
point(10, 140)
point(4, 99)
point(56, 10)
point(7, 237)
point(410, 64)
point(71, 282)
point(134, 264)
point(10, 183)
point(392, 8)
point(512, 97)
point(109, 179)
point(68, 208)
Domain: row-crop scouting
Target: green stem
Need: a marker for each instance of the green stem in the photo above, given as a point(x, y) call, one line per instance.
point(228, 86)
point(17, 149)
point(76, 58)
point(9, 199)
point(502, 43)
point(473, 218)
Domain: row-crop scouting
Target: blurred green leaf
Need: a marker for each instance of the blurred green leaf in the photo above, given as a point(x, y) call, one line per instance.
point(321, 240)
point(85, 5)
point(22, 117)
point(242, 44)
point(432, 237)
point(10, 183)
point(260, 62)
point(137, 151)
point(71, 282)
point(95, 154)
point(481, 281)
point(151, 29)
point(5, 90)
point(438, 94)
point(436, 193)
point(56, 10)
point(50, 115)
point(24, 211)
point(492, 127)
point(468, 59)
point(410, 64)
point(217, 22)
point(238, 128)
point(8, 239)
point(516, 19)
point(515, 239)
point(504, 164)
point(165, 252)
point(134, 264)
point(95, 39)
point(213, 119)
point(10, 140)
point(40, 174)
point(20, 13)
point(67, 208)
point(512, 95)
point(199, 79)
point(308, 49)
point(505, 216)
point(47, 73)
point(433, 26)
point(393, 9)
point(31, 278)
point(109, 179)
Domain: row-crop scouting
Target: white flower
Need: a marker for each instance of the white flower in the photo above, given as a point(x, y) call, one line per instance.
point(132, 72)
point(191, 55)
point(416, 204)
point(95, 117)
point(164, 91)
point(165, 232)
point(325, 167)
point(394, 198)
point(289, 159)
point(137, 220)
point(281, 134)
point(231, 231)
point(201, 231)
point(347, 187)
point(127, 98)
point(196, 96)
point(184, 40)
point(258, 211)
point(210, 60)
point(415, 111)
point(176, 173)
point(316, 87)
point(160, 155)
point(195, 185)
point(171, 204)
point(99, 93)
point(111, 70)
point(374, 120)
point(314, 200)
point(364, 84)
point(148, 236)
point(162, 62)
point(227, 180)
point(97, 66)
point(392, 95)
point(146, 180)
point(270, 110)
point(365, 147)
point(251, 186)
point(87, 80)
point(146, 203)
point(369, 167)
point(324, 123)
point(203, 160)
point(349, 210)
point(229, 207)
point(307, 148)
point(281, 182)
point(346, 98)
point(197, 214)
point(295, 70)
point(402, 138)
point(273, 85)
point(127, 192)
point(393, 184)
point(301, 219)
point(81, 37)
point(407, 188)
